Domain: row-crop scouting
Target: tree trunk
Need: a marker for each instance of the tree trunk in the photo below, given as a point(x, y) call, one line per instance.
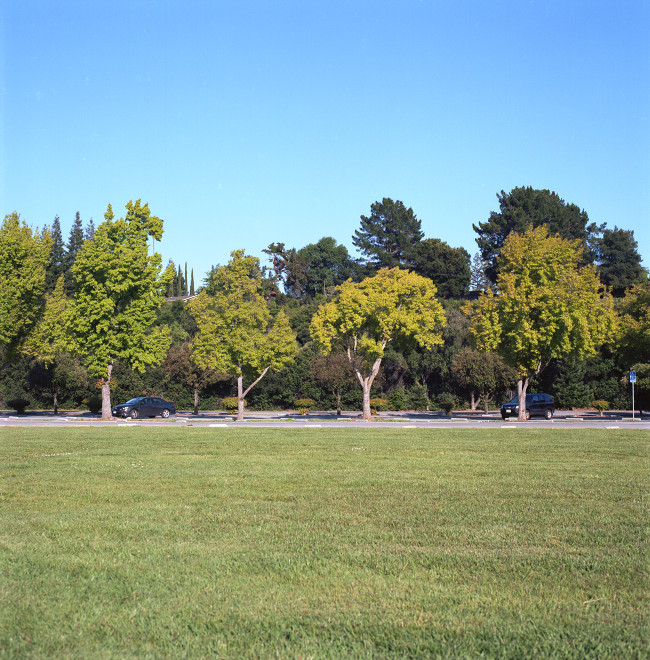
point(522, 386)
point(196, 400)
point(240, 398)
point(55, 402)
point(473, 402)
point(338, 404)
point(367, 413)
point(486, 399)
point(106, 395)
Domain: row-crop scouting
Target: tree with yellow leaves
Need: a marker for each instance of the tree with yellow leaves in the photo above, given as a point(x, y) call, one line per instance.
point(395, 305)
point(546, 306)
point(237, 334)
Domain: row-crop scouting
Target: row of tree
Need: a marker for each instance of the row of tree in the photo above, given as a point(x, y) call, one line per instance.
point(323, 321)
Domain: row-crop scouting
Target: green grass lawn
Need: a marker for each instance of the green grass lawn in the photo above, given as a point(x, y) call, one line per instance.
point(205, 542)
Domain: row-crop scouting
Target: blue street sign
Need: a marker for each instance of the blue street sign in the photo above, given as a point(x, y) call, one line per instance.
point(632, 376)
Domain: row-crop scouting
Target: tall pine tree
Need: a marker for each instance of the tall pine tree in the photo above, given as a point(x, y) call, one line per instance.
point(75, 241)
point(57, 265)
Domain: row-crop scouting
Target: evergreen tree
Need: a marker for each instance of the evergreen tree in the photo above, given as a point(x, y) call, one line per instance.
point(192, 283)
point(389, 236)
point(619, 261)
point(478, 280)
point(75, 241)
point(57, 265)
point(179, 282)
point(90, 230)
point(523, 207)
point(185, 281)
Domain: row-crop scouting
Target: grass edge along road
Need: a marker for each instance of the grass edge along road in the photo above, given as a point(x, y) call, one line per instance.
point(367, 543)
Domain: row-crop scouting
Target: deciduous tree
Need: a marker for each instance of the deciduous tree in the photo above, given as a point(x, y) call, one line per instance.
point(237, 333)
point(24, 256)
point(547, 306)
point(393, 306)
point(483, 374)
point(119, 289)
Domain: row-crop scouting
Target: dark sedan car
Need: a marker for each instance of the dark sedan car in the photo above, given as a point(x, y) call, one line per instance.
point(145, 406)
point(536, 404)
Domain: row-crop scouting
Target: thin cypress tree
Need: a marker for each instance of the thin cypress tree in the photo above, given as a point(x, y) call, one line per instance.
point(192, 283)
point(57, 265)
point(75, 241)
point(185, 281)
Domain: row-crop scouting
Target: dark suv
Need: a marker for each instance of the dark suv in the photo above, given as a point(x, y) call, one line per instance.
point(536, 404)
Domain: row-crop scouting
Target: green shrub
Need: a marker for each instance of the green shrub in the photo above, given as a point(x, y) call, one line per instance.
point(304, 404)
point(379, 404)
point(94, 403)
point(447, 402)
point(18, 405)
point(418, 398)
point(398, 399)
point(231, 403)
point(600, 405)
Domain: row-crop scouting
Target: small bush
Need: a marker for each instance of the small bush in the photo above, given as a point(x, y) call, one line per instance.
point(18, 405)
point(417, 398)
point(398, 400)
point(447, 402)
point(600, 405)
point(304, 404)
point(379, 404)
point(231, 403)
point(94, 403)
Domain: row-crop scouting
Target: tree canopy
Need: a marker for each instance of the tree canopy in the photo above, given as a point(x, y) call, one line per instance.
point(447, 267)
point(388, 236)
point(526, 206)
point(395, 305)
point(619, 262)
point(119, 288)
point(24, 256)
point(237, 334)
point(547, 305)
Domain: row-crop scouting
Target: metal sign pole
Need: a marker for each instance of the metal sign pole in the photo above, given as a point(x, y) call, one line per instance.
point(632, 399)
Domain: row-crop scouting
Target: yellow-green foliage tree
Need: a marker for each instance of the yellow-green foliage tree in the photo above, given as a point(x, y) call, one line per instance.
point(119, 288)
point(237, 335)
point(633, 341)
point(546, 306)
point(24, 255)
point(393, 306)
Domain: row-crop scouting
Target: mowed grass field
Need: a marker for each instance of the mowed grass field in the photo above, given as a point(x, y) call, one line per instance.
point(202, 542)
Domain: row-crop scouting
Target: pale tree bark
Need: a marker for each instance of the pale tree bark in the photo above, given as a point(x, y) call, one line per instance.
point(106, 394)
point(473, 400)
point(196, 399)
point(366, 385)
point(241, 392)
point(522, 387)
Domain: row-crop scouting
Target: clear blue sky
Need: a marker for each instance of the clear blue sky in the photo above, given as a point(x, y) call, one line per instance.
point(248, 122)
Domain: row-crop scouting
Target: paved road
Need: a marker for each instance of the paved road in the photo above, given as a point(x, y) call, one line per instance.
point(463, 419)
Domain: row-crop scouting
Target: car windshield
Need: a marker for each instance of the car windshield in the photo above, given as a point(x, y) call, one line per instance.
point(136, 400)
point(515, 399)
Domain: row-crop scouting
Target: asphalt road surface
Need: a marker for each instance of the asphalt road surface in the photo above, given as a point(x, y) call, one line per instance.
point(461, 419)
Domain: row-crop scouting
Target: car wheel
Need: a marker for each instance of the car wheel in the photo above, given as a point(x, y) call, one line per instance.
point(548, 414)
point(527, 415)
point(134, 414)
point(165, 413)
point(504, 417)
